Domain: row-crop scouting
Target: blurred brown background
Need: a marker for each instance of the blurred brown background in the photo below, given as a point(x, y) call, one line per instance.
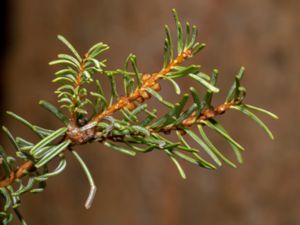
point(262, 35)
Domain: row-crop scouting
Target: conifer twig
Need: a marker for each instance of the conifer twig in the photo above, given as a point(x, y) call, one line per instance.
point(136, 128)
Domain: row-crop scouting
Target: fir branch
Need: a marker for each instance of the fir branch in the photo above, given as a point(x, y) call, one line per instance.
point(140, 129)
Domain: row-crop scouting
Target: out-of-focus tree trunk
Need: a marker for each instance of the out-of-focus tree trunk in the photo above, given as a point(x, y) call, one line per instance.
point(3, 48)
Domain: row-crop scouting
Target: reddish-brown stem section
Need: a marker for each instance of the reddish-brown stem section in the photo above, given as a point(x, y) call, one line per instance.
point(193, 119)
point(140, 94)
point(78, 83)
point(26, 167)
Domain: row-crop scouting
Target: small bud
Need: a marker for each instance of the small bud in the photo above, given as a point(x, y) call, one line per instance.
point(221, 109)
point(131, 106)
point(156, 87)
point(209, 113)
point(146, 77)
point(145, 95)
point(189, 121)
point(188, 53)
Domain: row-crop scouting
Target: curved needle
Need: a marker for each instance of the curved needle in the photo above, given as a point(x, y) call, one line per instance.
point(93, 188)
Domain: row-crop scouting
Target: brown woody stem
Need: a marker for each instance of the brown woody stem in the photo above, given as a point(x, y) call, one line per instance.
point(20, 172)
point(73, 119)
point(205, 115)
point(140, 94)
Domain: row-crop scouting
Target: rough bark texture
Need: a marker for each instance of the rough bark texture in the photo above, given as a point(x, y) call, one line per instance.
point(261, 35)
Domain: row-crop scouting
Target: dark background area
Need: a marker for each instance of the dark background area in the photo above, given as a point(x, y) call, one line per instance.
point(262, 35)
point(4, 24)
